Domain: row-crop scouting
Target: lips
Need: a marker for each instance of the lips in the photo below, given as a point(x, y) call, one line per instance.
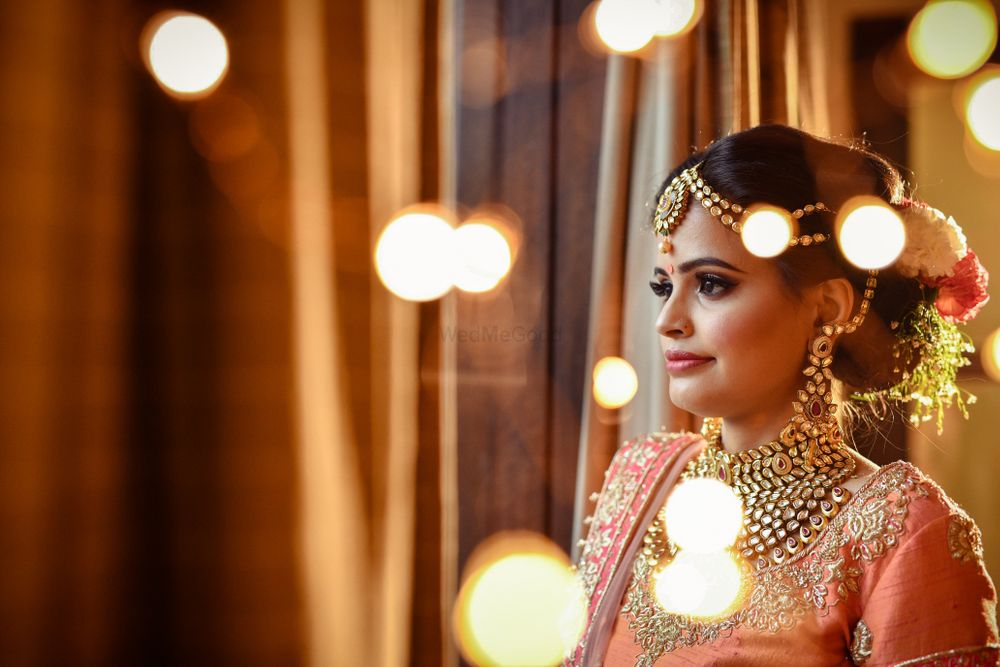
point(678, 361)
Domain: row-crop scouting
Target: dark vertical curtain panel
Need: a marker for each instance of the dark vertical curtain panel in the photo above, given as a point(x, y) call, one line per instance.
point(528, 132)
point(146, 459)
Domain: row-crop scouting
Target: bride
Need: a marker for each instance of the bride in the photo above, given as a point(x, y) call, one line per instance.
point(844, 562)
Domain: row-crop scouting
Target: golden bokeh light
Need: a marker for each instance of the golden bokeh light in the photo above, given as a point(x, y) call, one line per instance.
point(703, 515)
point(615, 382)
point(224, 127)
point(521, 604)
point(870, 232)
point(415, 256)
point(951, 38)
point(186, 53)
point(483, 257)
point(767, 231)
point(990, 355)
point(483, 76)
point(982, 112)
point(625, 26)
point(983, 160)
point(704, 585)
point(675, 17)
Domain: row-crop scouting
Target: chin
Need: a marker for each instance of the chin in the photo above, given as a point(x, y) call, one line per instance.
point(689, 398)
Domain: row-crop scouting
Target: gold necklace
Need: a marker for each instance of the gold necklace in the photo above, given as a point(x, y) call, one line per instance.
point(790, 487)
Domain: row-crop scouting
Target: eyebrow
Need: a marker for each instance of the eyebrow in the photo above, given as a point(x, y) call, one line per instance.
point(695, 263)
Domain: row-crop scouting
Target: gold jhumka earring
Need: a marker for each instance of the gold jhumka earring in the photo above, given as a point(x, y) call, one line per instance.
point(790, 487)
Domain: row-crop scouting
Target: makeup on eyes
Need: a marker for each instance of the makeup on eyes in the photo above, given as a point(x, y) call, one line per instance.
point(661, 288)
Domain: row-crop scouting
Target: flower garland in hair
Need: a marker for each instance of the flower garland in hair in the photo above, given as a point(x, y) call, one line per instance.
point(954, 283)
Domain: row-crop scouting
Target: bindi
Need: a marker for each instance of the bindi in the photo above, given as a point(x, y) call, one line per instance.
point(670, 269)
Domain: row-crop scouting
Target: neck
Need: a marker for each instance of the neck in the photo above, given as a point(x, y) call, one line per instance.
point(745, 432)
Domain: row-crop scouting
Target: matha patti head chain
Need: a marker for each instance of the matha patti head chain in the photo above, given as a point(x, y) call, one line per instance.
point(791, 487)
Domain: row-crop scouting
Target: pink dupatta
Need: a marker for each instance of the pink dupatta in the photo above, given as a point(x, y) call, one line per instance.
point(636, 485)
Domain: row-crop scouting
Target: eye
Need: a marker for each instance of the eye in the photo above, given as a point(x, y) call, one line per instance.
point(712, 285)
point(661, 289)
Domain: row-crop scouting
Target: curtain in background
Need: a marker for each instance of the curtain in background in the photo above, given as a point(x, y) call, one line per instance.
point(209, 404)
point(146, 453)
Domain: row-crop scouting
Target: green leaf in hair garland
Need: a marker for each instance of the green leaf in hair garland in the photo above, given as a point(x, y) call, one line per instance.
point(940, 349)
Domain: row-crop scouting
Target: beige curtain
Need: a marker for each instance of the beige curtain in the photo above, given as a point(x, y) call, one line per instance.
point(358, 554)
point(395, 56)
point(335, 562)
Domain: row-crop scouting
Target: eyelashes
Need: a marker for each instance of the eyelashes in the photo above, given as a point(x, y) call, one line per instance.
point(662, 290)
point(716, 281)
point(710, 285)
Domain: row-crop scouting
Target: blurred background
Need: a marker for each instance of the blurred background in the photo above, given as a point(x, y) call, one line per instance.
point(307, 305)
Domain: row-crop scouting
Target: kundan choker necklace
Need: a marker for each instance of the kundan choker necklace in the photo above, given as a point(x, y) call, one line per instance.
point(790, 487)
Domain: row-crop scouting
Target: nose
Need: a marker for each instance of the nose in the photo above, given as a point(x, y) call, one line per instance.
point(674, 320)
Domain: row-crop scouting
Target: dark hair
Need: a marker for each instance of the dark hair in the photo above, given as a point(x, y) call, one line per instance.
point(786, 167)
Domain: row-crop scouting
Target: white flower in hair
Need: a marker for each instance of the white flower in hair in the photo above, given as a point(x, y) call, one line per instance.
point(934, 242)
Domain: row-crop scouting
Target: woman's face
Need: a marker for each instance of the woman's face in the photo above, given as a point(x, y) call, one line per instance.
point(730, 307)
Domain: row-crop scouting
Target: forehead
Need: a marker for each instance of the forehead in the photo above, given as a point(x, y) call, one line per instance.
point(701, 235)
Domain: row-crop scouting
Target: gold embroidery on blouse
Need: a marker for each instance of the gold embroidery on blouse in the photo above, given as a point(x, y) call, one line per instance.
point(965, 542)
point(781, 595)
point(861, 646)
point(959, 657)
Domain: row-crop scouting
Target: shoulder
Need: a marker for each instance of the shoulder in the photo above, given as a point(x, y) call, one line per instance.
point(926, 501)
point(925, 588)
point(901, 513)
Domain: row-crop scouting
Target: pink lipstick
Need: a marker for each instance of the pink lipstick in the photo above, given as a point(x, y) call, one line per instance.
point(678, 361)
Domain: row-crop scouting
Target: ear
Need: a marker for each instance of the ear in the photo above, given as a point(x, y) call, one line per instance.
point(833, 300)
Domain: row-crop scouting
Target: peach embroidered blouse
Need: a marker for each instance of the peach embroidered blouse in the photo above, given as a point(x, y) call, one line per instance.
point(896, 578)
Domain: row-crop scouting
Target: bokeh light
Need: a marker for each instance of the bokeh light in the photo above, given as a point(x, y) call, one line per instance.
point(224, 127)
point(983, 160)
point(767, 231)
point(703, 515)
point(615, 382)
point(704, 585)
point(521, 604)
point(951, 38)
point(870, 232)
point(415, 256)
point(990, 355)
point(675, 17)
point(625, 25)
point(250, 176)
point(483, 257)
point(482, 68)
point(186, 53)
point(982, 112)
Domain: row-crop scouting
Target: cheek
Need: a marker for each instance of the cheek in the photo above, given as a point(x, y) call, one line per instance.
point(748, 338)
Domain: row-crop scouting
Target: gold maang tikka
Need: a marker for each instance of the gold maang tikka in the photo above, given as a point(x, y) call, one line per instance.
point(689, 183)
point(790, 487)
